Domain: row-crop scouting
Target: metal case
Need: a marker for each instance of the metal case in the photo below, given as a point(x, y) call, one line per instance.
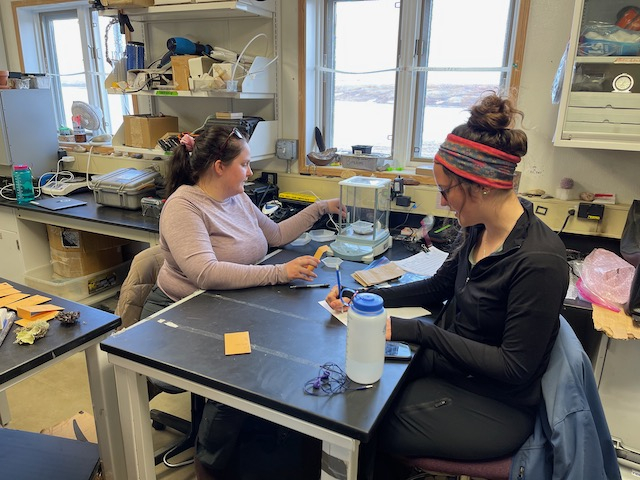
point(124, 187)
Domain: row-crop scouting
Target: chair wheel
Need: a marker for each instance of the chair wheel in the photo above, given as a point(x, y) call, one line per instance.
point(157, 425)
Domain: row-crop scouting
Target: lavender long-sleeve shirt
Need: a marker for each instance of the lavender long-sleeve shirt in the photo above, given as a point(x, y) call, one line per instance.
point(214, 245)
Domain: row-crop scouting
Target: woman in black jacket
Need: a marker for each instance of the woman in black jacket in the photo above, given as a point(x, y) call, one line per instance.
point(477, 386)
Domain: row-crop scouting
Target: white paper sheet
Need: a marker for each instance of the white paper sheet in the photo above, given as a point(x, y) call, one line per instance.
point(423, 263)
point(402, 312)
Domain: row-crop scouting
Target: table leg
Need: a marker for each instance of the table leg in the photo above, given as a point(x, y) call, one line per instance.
point(133, 400)
point(339, 463)
point(5, 412)
point(106, 413)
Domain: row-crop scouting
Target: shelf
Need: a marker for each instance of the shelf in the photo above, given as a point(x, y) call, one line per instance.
point(612, 60)
point(200, 94)
point(262, 143)
point(193, 11)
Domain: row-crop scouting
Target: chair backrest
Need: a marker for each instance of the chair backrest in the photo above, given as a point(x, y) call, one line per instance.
point(139, 282)
point(571, 430)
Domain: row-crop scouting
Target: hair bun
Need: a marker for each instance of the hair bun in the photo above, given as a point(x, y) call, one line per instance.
point(491, 114)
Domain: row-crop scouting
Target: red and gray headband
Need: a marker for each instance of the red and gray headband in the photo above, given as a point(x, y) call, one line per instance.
point(477, 162)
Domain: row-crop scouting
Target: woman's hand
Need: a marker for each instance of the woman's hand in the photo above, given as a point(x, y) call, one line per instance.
point(334, 207)
point(387, 334)
point(335, 302)
point(302, 268)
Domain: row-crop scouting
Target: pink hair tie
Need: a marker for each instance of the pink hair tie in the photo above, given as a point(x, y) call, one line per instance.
point(188, 141)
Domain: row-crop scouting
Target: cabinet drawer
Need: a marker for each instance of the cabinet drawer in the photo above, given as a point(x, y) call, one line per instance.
point(572, 129)
point(605, 99)
point(603, 115)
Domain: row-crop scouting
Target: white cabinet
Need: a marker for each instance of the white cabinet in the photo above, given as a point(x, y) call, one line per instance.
point(600, 100)
point(243, 25)
point(24, 246)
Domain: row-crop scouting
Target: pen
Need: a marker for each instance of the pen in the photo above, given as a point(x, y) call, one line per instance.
point(311, 285)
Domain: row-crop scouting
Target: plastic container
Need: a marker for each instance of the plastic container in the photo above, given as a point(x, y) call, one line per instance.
point(371, 162)
point(360, 149)
point(23, 183)
point(124, 188)
point(78, 288)
point(366, 328)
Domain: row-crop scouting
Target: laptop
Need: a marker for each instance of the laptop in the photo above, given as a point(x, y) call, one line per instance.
point(57, 203)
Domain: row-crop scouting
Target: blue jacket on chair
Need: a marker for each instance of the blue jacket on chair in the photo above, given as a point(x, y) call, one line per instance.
point(571, 439)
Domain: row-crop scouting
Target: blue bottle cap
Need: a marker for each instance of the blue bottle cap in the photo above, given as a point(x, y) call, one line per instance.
point(367, 303)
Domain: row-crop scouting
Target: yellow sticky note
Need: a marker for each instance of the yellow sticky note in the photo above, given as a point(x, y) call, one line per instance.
point(236, 343)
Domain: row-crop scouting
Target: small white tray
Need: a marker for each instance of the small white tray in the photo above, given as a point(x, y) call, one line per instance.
point(301, 240)
point(322, 235)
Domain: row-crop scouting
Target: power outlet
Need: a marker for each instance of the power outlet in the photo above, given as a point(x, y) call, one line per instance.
point(286, 149)
point(591, 211)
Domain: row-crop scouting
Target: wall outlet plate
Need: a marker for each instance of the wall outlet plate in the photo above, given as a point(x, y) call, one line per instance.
point(286, 149)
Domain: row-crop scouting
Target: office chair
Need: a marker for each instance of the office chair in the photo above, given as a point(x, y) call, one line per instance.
point(133, 293)
point(571, 429)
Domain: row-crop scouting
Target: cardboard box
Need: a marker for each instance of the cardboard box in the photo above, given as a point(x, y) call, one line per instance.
point(79, 264)
point(75, 253)
point(180, 69)
point(143, 131)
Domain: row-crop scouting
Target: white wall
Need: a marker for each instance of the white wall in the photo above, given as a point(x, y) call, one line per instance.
point(544, 165)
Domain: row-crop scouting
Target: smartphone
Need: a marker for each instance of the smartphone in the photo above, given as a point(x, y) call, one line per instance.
point(397, 351)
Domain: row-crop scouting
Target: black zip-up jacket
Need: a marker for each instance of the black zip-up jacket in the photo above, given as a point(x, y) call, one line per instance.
point(507, 311)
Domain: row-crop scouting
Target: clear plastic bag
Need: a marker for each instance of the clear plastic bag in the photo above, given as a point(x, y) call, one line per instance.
point(607, 277)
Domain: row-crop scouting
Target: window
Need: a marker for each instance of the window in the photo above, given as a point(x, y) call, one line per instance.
point(400, 75)
point(70, 42)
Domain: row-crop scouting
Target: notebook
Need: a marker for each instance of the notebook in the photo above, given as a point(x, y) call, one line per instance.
point(57, 203)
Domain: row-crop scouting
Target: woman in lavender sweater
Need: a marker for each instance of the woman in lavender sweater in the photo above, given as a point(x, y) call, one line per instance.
point(212, 236)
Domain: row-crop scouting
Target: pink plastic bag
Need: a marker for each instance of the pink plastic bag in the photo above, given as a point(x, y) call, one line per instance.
point(608, 276)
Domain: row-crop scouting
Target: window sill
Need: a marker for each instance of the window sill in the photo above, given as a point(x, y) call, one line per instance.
point(408, 173)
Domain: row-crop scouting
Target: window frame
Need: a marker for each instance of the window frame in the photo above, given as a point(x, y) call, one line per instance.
point(311, 28)
point(28, 17)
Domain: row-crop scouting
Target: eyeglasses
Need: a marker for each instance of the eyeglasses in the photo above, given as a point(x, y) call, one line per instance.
point(235, 132)
point(444, 191)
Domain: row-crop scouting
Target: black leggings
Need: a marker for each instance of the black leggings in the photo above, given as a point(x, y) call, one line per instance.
point(433, 418)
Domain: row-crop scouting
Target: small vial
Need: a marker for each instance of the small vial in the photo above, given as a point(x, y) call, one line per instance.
point(23, 183)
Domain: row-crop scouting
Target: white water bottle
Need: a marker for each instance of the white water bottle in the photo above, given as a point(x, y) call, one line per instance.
point(366, 328)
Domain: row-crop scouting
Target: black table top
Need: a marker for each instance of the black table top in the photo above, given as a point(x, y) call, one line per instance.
point(17, 359)
point(95, 212)
point(291, 336)
point(35, 455)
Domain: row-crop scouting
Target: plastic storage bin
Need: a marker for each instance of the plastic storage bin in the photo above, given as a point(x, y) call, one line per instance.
point(76, 289)
point(371, 162)
point(124, 187)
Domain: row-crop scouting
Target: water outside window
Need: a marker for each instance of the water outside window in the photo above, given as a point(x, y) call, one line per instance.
point(461, 34)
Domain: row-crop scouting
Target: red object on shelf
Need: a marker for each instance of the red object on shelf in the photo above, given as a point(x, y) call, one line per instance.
point(629, 18)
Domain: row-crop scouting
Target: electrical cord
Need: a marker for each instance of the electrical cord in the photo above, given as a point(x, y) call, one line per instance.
point(331, 380)
point(570, 214)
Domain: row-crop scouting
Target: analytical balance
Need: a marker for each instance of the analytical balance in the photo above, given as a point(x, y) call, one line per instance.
point(364, 232)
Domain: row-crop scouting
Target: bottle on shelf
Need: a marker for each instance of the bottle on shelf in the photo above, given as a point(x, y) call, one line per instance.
point(79, 133)
point(23, 183)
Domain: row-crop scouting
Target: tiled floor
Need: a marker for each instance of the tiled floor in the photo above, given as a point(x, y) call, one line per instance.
point(61, 391)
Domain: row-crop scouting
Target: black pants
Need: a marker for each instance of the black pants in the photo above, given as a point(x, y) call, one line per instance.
point(434, 418)
point(437, 419)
